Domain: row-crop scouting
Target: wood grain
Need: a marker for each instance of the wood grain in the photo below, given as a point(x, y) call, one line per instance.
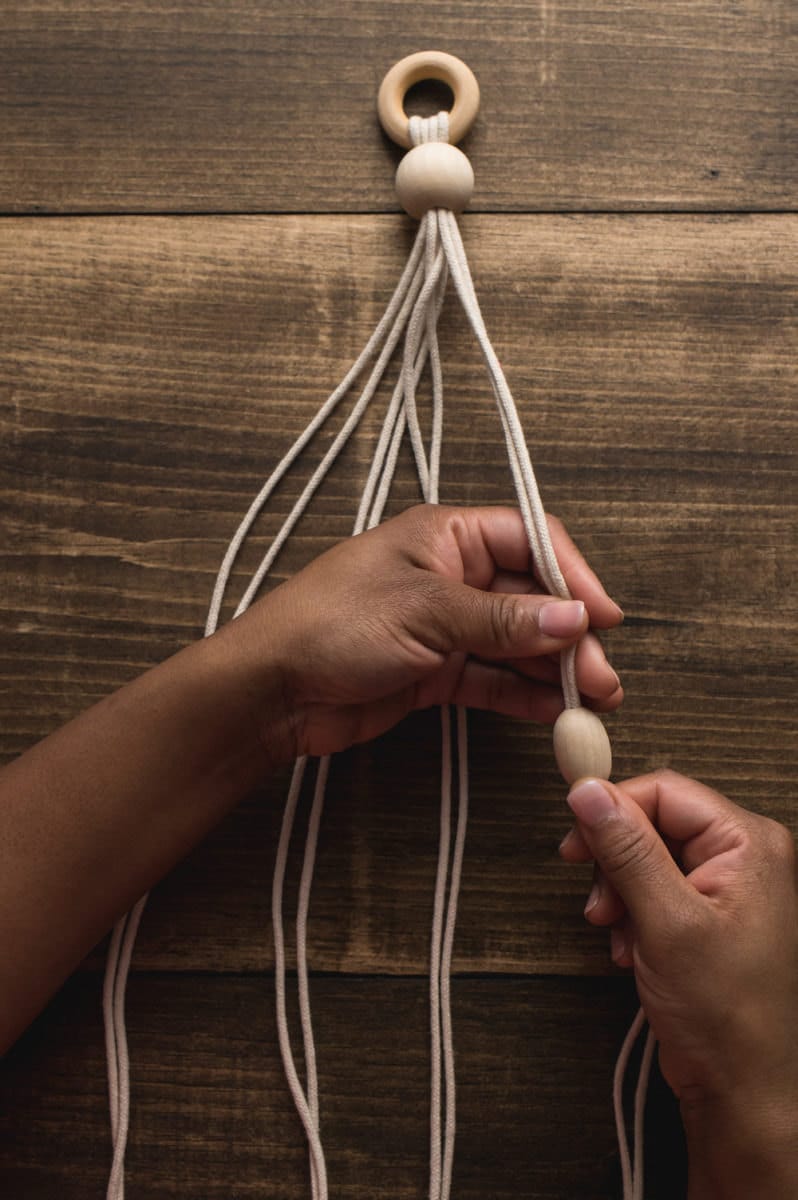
point(212, 1116)
point(153, 370)
point(246, 107)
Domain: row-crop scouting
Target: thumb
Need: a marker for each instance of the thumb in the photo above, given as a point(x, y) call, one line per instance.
point(503, 625)
point(631, 854)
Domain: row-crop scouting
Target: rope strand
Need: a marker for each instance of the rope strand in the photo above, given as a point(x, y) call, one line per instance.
point(303, 984)
point(448, 942)
point(617, 1101)
point(120, 954)
point(638, 1177)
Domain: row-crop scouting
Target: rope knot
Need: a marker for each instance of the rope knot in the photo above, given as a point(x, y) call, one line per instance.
point(429, 129)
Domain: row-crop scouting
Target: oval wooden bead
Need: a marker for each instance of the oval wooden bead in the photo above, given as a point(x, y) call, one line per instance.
point(434, 175)
point(581, 745)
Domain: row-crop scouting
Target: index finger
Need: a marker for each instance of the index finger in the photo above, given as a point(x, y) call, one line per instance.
point(504, 537)
point(702, 822)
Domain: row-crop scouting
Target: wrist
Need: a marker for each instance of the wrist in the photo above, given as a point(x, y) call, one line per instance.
point(743, 1143)
point(246, 658)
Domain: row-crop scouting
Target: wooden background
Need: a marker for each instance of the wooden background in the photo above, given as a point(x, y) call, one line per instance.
point(198, 233)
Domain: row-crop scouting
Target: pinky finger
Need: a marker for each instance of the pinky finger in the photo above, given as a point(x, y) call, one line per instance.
point(622, 944)
point(573, 848)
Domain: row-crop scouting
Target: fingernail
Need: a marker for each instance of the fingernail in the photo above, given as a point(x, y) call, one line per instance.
point(619, 611)
point(590, 802)
point(593, 898)
point(568, 838)
point(561, 619)
point(617, 944)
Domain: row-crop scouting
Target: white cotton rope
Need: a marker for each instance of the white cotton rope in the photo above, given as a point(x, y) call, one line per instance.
point(638, 1173)
point(412, 313)
point(633, 1170)
point(117, 969)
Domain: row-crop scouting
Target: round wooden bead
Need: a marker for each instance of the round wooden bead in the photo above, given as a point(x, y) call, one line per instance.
point(435, 175)
point(581, 745)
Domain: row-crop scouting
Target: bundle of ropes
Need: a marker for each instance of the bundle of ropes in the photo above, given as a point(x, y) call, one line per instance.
point(434, 181)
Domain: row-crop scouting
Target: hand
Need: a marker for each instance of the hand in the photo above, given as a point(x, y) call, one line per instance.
point(715, 956)
point(435, 605)
point(438, 605)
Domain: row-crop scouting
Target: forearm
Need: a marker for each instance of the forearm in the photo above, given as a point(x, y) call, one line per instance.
point(94, 815)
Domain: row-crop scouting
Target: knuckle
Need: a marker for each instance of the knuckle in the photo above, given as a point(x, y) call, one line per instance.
point(507, 622)
point(426, 611)
point(780, 843)
point(417, 522)
point(419, 513)
point(628, 851)
point(687, 928)
point(555, 524)
point(665, 780)
point(432, 535)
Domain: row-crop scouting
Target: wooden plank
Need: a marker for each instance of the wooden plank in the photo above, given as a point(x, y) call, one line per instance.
point(245, 107)
point(152, 371)
point(211, 1115)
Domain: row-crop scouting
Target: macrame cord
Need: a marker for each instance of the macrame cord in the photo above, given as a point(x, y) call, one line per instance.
point(412, 313)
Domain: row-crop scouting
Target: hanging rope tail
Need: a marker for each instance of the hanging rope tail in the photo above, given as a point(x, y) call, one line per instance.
point(433, 182)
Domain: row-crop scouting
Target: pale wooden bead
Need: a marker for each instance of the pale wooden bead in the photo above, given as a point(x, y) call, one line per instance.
point(434, 175)
point(581, 745)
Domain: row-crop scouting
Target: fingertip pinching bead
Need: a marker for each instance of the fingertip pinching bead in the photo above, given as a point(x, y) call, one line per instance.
point(581, 745)
point(434, 175)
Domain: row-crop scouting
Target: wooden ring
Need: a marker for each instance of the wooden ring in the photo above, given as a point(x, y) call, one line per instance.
point(428, 64)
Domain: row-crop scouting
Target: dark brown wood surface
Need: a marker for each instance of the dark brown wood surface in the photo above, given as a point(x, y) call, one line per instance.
point(152, 370)
point(246, 106)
